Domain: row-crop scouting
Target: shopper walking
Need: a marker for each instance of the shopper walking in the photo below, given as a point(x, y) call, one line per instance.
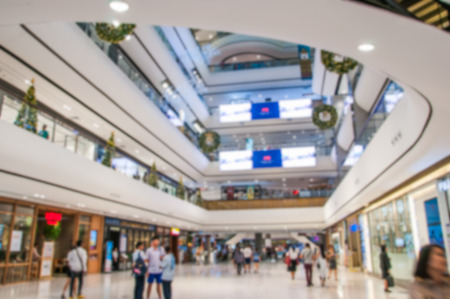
point(168, 268)
point(77, 259)
point(238, 259)
point(139, 270)
point(332, 261)
point(69, 279)
point(385, 265)
point(307, 256)
point(431, 279)
point(248, 254)
point(256, 260)
point(154, 255)
point(292, 260)
point(321, 263)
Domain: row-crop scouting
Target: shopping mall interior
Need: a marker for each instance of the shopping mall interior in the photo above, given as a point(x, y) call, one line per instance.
point(217, 126)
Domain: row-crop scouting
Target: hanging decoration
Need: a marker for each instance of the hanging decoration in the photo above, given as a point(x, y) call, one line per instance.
point(336, 63)
point(324, 116)
point(153, 177)
point(199, 200)
point(110, 150)
point(52, 232)
point(180, 189)
point(113, 34)
point(209, 141)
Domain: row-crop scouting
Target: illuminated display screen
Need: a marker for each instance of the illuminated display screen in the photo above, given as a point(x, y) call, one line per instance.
point(265, 110)
point(235, 113)
point(265, 159)
point(299, 157)
point(295, 108)
point(235, 160)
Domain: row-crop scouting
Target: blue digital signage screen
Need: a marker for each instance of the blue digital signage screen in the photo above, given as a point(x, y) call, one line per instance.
point(265, 159)
point(265, 110)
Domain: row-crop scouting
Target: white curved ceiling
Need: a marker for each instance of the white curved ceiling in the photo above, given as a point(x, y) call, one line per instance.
point(412, 53)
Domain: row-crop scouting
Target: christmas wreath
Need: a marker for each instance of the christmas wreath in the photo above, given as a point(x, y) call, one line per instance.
point(337, 63)
point(324, 116)
point(113, 34)
point(209, 141)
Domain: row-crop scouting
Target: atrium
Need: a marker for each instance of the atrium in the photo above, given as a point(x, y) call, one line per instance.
point(209, 127)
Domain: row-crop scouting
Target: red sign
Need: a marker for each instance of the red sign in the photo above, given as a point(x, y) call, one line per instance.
point(53, 218)
point(174, 231)
point(267, 158)
point(265, 110)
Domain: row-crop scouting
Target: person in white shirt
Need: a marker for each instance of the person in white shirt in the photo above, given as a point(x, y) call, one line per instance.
point(155, 254)
point(321, 262)
point(308, 260)
point(77, 259)
point(292, 260)
point(248, 253)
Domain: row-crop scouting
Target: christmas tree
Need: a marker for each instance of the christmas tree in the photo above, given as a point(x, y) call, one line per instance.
point(20, 119)
point(199, 201)
point(30, 99)
point(153, 177)
point(180, 189)
point(110, 150)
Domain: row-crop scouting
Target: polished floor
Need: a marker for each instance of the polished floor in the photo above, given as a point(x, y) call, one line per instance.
point(218, 282)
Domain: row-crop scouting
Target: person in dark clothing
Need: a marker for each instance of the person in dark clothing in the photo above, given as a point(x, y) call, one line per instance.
point(139, 256)
point(238, 259)
point(385, 265)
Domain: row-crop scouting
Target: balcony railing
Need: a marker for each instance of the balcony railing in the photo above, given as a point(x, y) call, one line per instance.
point(75, 139)
point(119, 57)
point(252, 65)
point(264, 203)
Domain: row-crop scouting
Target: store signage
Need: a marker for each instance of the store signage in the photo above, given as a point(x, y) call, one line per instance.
point(444, 185)
point(53, 218)
point(121, 223)
point(174, 231)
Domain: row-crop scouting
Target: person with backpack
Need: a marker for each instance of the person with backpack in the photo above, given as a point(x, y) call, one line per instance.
point(238, 259)
point(77, 259)
point(155, 254)
point(139, 270)
point(168, 268)
point(385, 265)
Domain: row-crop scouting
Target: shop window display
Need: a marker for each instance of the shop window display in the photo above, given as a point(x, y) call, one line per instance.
point(5, 228)
point(390, 225)
point(20, 245)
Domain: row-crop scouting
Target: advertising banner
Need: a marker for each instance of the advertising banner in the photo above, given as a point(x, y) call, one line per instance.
point(16, 240)
point(108, 256)
point(235, 160)
point(265, 110)
point(267, 159)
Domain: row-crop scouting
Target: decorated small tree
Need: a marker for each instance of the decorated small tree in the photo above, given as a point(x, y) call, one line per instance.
point(30, 99)
point(153, 177)
point(20, 119)
point(110, 150)
point(180, 189)
point(199, 201)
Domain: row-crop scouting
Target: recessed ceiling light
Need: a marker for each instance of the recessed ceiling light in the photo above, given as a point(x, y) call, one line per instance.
point(284, 179)
point(68, 108)
point(116, 23)
point(136, 151)
point(96, 126)
point(81, 205)
point(119, 5)
point(42, 196)
point(119, 140)
point(234, 58)
point(210, 36)
point(114, 211)
point(128, 37)
point(136, 216)
point(28, 82)
point(258, 56)
point(36, 194)
point(24, 197)
point(366, 47)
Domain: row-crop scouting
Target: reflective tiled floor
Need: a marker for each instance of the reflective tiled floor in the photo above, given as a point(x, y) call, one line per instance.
point(218, 282)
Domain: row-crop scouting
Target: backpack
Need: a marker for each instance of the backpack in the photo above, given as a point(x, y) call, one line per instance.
point(139, 268)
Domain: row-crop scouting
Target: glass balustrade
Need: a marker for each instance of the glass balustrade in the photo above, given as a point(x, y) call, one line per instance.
point(76, 140)
point(226, 67)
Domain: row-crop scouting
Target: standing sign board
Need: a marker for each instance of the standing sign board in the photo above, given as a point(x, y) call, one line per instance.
point(16, 241)
point(108, 256)
point(47, 259)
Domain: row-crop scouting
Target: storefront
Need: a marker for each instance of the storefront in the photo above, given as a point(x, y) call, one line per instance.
point(121, 236)
point(353, 226)
point(35, 240)
point(337, 236)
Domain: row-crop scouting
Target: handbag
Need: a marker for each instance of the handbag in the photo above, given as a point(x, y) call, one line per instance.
point(287, 261)
point(139, 268)
point(390, 281)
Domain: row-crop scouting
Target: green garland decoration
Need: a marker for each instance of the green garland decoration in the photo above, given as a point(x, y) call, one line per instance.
point(52, 232)
point(328, 109)
point(209, 141)
point(340, 67)
point(180, 190)
point(110, 151)
point(113, 34)
point(153, 176)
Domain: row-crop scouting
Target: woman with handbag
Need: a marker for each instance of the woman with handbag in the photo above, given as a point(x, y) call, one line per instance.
point(321, 262)
point(292, 260)
point(331, 257)
point(385, 265)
